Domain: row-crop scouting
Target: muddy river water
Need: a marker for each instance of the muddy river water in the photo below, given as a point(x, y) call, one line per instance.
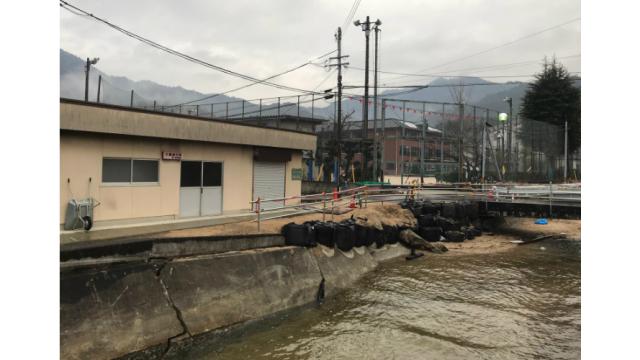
point(522, 303)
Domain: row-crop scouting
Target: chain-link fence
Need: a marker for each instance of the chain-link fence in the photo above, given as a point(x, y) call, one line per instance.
point(418, 139)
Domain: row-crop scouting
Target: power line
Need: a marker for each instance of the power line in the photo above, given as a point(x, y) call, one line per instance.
point(156, 45)
point(350, 15)
point(501, 45)
point(446, 73)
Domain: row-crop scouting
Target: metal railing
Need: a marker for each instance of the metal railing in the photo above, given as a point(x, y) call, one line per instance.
point(552, 194)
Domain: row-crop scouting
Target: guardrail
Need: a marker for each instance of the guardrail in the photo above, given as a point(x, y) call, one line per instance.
point(362, 195)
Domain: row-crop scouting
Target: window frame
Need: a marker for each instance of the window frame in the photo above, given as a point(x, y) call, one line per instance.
point(131, 182)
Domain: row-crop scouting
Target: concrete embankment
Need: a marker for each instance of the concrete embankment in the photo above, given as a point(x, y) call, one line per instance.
point(113, 306)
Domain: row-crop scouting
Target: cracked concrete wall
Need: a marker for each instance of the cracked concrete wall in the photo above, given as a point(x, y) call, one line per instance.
point(110, 311)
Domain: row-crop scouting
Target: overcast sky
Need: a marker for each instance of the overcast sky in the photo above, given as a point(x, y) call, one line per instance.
point(261, 38)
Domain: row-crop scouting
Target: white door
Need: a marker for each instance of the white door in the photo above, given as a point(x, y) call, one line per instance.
point(200, 188)
point(268, 182)
point(211, 199)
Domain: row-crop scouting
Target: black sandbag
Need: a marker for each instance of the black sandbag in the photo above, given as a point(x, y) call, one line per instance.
point(376, 236)
point(429, 209)
point(460, 211)
point(299, 235)
point(468, 233)
point(472, 210)
point(430, 233)
point(476, 231)
point(343, 235)
point(391, 234)
point(449, 210)
point(360, 233)
point(447, 224)
point(416, 210)
point(426, 220)
point(324, 233)
point(454, 236)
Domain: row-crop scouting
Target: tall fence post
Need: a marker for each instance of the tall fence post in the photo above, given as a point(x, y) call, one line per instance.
point(226, 115)
point(442, 144)
point(298, 119)
point(212, 111)
point(260, 109)
point(324, 205)
point(198, 110)
point(258, 209)
point(131, 104)
point(99, 85)
point(550, 199)
point(332, 209)
point(154, 105)
point(278, 117)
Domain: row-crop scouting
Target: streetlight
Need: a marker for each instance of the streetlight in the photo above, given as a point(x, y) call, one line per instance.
point(86, 79)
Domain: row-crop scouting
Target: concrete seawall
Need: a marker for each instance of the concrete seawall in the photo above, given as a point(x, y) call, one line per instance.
point(110, 309)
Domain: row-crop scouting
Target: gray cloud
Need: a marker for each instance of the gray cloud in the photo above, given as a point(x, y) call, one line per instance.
point(261, 38)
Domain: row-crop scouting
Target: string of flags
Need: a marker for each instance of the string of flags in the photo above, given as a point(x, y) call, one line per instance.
point(447, 116)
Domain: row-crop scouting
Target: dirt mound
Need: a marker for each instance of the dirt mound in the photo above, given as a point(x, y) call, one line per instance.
point(374, 215)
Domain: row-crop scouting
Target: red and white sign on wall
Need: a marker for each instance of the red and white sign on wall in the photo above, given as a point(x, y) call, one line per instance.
point(166, 155)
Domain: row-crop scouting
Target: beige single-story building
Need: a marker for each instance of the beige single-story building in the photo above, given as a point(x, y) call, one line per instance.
point(145, 165)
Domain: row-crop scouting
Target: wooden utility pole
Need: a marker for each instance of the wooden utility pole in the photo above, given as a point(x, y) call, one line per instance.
point(338, 120)
point(376, 29)
point(366, 27)
point(423, 143)
point(460, 141)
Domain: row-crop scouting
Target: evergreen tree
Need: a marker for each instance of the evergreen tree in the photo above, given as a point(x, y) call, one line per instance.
point(552, 98)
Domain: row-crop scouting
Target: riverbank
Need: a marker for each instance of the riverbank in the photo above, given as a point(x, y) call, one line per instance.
point(512, 228)
point(388, 214)
point(161, 289)
point(515, 228)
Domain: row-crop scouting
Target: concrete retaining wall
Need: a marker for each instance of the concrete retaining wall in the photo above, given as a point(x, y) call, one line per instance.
point(220, 290)
point(111, 310)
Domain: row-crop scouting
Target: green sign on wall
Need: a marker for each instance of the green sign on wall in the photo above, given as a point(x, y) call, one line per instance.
point(296, 174)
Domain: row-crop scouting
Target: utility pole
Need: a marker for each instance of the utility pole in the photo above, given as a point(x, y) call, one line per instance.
point(442, 144)
point(517, 146)
point(382, 163)
point(509, 100)
point(366, 27)
point(566, 155)
point(86, 78)
point(460, 142)
point(99, 85)
point(404, 103)
point(423, 143)
point(484, 147)
point(376, 29)
point(338, 122)
point(131, 104)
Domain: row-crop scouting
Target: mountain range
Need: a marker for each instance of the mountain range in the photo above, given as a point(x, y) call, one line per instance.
point(117, 90)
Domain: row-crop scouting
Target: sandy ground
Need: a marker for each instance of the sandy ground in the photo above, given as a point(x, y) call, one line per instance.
point(515, 229)
point(374, 213)
point(512, 229)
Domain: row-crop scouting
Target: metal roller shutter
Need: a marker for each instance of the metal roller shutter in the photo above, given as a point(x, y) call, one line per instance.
point(268, 182)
